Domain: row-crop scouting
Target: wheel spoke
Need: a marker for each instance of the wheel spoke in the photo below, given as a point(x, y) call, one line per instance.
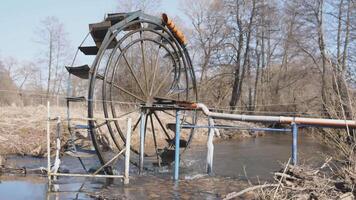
point(170, 114)
point(132, 72)
point(179, 92)
point(144, 134)
point(144, 62)
point(123, 115)
point(101, 124)
point(127, 92)
point(154, 71)
point(183, 120)
point(162, 83)
point(154, 136)
point(136, 124)
point(160, 123)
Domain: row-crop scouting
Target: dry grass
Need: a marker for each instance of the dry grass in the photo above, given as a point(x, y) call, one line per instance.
point(23, 129)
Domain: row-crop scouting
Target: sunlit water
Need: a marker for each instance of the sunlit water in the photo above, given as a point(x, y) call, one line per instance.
point(234, 162)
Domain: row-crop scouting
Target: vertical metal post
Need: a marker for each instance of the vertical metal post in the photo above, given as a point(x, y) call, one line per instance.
point(48, 144)
point(177, 146)
point(142, 140)
point(57, 161)
point(210, 145)
point(127, 151)
point(295, 144)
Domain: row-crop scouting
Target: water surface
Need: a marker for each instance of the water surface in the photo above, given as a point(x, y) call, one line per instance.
point(234, 162)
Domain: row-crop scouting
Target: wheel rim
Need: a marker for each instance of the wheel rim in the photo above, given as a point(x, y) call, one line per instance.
point(128, 84)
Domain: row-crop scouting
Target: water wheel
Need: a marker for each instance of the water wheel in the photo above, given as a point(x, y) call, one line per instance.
point(141, 69)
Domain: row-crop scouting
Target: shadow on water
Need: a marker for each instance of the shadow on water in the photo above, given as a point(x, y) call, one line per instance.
point(233, 160)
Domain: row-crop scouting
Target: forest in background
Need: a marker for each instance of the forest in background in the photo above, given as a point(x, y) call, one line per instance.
point(292, 58)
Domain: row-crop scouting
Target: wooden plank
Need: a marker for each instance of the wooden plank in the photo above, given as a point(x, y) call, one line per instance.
point(98, 32)
point(89, 50)
point(79, 71)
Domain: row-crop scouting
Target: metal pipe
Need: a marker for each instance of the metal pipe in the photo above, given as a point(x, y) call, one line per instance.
point(177, 140)
point(127, 152)
point(109, 162)
point(172, 27)
point(295, 144)
point(57, 161)
point(48, 144)
point(277, 119)
point(142, 140)
point(237, 127)
point(210, 146)
point(88, 175)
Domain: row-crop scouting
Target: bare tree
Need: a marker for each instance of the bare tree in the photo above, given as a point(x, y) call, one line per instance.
point(240, 70)
point(52, 37)
point(270, 52)
point(7, 86)
point(208, 34)
point(134, 5)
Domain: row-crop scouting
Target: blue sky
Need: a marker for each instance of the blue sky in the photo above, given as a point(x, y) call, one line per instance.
point(19, 19)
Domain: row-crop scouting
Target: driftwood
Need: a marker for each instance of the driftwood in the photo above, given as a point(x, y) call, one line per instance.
point(22, 171)
point(303, 182)
point(282, 177)
point(237, 194)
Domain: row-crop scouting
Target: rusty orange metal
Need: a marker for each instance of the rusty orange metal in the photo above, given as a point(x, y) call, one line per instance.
point(174, 29)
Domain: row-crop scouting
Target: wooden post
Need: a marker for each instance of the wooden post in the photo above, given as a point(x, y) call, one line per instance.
point(127, 152)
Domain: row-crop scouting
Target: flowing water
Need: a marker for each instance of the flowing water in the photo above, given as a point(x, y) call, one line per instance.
point(235, 161)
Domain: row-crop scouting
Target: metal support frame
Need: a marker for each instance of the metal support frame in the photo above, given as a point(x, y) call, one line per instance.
point(127, 151)
point(177, 146)
point(57, 161)
point(210, 146)
point(55, 174)
point(211, 116)
point(48, 143)
point(295, 143)
point(142, 140)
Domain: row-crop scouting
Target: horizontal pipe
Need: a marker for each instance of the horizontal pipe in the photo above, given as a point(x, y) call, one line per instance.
point(87, 175)
point(277, 119)
point(237, 127)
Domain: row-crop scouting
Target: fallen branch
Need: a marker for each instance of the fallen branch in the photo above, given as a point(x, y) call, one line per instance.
point(280, 180)
point(285, 176)
point(236, 194)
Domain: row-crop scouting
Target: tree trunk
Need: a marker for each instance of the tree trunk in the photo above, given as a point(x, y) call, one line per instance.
point(321, 42)
point(257, 77)
point(49, 65)
point(236, 93)
point(341, 76)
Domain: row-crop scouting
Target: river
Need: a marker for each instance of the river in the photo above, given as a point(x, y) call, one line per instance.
point(235, 162)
